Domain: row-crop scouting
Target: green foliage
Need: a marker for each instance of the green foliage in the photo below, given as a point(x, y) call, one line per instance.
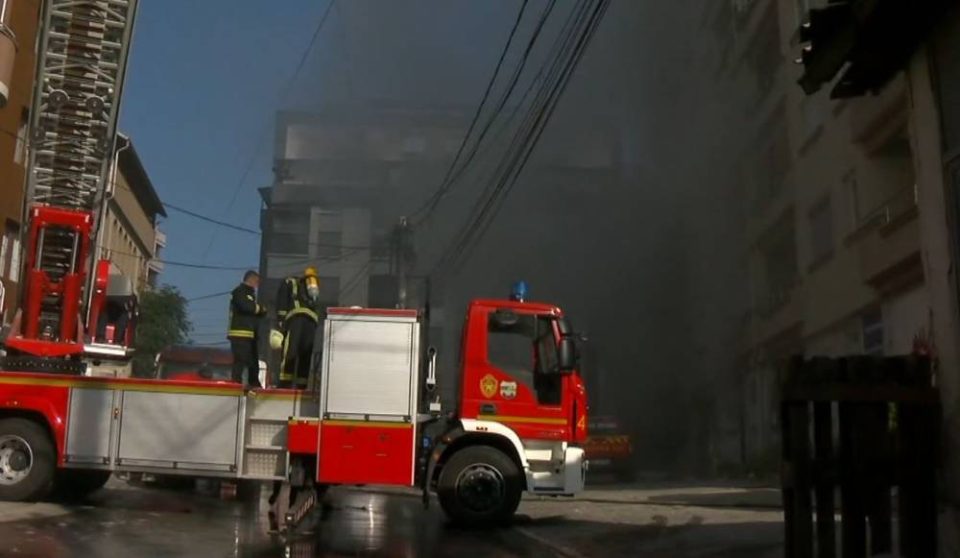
point(162, 322)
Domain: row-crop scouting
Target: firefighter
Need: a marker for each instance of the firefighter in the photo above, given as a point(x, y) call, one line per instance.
point(245, 313)
point(298, 314)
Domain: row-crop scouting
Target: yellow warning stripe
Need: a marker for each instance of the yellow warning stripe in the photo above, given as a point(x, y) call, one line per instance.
point(240, 333)
point(529, 420)
point(367, 423)
point(303, 421)
point(119, 386)
point(273, 395)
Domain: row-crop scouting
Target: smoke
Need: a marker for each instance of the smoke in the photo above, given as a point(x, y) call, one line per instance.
point(626, 214)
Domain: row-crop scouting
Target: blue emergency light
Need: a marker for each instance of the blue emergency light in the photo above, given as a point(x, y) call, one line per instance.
point(519, 292)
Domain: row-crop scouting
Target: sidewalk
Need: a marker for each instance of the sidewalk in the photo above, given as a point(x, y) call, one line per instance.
point(707, 495)
point(747, 497)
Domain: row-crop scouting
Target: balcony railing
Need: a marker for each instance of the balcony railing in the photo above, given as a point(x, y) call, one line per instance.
point(891, 209)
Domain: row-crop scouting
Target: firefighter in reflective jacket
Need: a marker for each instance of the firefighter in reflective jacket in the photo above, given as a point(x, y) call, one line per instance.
point(298, 314)
point(244, 315)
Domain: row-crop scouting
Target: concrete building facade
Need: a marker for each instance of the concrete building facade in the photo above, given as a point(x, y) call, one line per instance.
point(342, 180)
point(832, 250)
point(20, 21)
point(130, 237)
point(852, 202)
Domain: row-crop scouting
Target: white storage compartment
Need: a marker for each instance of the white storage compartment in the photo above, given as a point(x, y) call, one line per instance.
point(370, 364)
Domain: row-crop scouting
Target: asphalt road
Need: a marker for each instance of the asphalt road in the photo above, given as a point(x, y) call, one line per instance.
point(125, 521)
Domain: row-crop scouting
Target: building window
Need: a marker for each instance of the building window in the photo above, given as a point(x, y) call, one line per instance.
point(382, 291)
point(329, 291)
point(779, 260)
point(5, 244)
point(872, 332)
point(11, 240)
point(287, 243)
point(328, 244)
point(20, 150)
point(290, 231)
point(821, 231)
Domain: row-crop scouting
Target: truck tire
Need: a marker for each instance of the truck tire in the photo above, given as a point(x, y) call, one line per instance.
point(480, 486)
point(77, 484)
point(28, 460)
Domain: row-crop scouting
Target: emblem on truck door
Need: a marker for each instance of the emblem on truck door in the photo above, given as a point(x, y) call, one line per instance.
point(508, 390)
point(488, 386)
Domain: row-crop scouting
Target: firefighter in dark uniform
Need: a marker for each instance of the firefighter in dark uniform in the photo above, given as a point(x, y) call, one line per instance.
point(245, 314)
point(298, 315)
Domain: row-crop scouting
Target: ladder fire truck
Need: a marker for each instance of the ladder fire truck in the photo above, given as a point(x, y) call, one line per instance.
point(70, 416)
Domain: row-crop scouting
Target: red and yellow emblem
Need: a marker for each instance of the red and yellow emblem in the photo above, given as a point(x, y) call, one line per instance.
point(488, 386)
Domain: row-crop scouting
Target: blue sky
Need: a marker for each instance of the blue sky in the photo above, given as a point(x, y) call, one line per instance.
point(205, 79)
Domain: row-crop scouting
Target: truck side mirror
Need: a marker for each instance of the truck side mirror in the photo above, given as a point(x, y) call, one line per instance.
point(568, 355)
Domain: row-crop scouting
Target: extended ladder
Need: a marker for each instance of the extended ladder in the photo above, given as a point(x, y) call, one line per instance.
point(81, 59)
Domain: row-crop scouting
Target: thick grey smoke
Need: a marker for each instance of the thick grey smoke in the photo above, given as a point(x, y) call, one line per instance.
point(626, 214)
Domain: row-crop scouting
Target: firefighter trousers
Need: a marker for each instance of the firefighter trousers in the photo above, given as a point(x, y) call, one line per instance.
point(245, 359)
point(297, 356)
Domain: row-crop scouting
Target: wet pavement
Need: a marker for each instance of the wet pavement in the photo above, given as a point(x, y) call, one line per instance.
point(131, 521)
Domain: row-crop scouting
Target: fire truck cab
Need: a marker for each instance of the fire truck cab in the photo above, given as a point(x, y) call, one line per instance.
point(373, 417)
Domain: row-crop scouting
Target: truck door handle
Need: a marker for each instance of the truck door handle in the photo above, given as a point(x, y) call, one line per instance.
point(488, 409)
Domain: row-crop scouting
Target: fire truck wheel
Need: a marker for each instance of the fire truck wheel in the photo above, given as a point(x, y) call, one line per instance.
point(479, 485)
point(27, 460)
point(76, 484)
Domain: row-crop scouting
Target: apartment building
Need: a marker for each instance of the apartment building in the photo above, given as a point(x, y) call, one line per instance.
point(19, 21)
point(832, 248)
point(343, 178)
point(130, 237)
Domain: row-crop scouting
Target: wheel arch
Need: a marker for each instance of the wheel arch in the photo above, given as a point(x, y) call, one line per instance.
point(31, 415)
point(45, 413)
point(481, 433)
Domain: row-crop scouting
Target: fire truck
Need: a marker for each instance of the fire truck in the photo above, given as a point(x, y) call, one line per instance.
point(70, 415)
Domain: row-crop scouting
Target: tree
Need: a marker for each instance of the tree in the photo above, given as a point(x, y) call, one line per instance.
point(162, 322)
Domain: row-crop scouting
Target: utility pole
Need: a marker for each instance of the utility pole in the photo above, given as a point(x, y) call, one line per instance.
point(401, 247)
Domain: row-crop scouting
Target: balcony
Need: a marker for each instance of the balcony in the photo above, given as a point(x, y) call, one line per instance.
point(888, 244)
point(874, 118)
point(779, 312)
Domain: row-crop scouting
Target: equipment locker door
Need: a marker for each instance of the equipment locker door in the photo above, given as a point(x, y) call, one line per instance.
point(179, 431)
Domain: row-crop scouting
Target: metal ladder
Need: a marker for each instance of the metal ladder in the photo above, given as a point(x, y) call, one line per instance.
point(81, 59)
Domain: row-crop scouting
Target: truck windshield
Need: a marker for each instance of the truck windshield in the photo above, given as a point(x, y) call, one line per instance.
point(514, 348)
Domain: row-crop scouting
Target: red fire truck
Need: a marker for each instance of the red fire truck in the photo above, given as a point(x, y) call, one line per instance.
point(374, 419)
point(70, 415)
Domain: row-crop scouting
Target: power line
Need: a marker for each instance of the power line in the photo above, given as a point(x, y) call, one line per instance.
point(112, 251)
point(517, 142)
point(263, 135)
point(206, 296)
point(240, 228)
point(540, 124)
point(430, 203)
point(355, 281)
point(210, 219)
point(526, 137)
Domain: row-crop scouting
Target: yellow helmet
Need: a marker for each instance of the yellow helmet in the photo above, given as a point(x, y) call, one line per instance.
point(310, 272)
point(276, 340)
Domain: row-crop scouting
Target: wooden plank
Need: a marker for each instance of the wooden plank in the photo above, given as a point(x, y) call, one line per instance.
point(787, 481)
point(853, 516)
point(872, 425)
point(823, 451)
point(861, 392)
point(919, 433)
point(801, 501)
